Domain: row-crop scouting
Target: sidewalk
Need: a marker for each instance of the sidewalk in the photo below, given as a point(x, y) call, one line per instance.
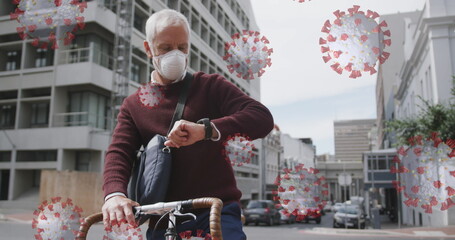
point(389, 229)
point(419, 232)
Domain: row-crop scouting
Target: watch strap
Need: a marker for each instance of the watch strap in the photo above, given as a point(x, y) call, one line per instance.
point(207, 127)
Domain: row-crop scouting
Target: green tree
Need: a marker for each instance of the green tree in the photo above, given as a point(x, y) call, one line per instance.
point(438, 118)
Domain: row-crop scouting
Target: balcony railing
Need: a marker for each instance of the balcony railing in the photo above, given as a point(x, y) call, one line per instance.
point(80, 119)
point(89, 54)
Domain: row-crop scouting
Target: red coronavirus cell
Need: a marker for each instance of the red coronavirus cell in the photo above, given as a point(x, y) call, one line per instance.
point(355, 42)
point(425, 168)
point(238, 149)
point(248, 54)
point(199, 235)
point(57, 219)
point(122, 231)
point(301, 191)
point(49, 22)
point(150, 95)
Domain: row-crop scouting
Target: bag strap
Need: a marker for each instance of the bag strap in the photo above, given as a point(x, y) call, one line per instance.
point(182, 99)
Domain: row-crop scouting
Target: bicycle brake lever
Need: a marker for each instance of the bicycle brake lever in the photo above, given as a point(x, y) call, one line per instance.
point(179, 214)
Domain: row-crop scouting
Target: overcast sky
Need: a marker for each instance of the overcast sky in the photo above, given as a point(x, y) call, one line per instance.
point(304, 94)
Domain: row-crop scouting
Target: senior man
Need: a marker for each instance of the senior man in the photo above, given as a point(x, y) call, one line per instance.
point(199, 168)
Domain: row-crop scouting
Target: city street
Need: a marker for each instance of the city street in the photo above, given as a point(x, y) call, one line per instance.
point(23, 231)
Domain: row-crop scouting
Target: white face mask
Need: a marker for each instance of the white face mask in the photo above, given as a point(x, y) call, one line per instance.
point(171, 65)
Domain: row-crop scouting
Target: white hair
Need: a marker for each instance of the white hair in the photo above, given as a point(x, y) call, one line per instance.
point(162, 19)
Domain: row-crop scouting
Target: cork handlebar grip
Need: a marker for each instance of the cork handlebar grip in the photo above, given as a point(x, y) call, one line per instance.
point(215, 205)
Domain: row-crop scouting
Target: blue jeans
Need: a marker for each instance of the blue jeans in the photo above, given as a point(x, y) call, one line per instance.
point(231, 225)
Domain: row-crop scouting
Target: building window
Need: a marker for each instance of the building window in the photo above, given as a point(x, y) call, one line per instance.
point(91, 109)
point(40, 114)
point(5, 156)
point(13, 60)
point(135, 72)
point(43, 57)
point(138, 22)
point(382, 163)
point(37, 156)
point(7, 116)
point(83, 161)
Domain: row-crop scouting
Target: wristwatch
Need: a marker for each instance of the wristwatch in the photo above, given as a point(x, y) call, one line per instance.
point(207, 127)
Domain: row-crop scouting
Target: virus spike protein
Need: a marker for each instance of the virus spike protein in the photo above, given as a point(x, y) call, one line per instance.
point(355, 42)
point(426, 168)
point(248, 54)
point(48, 22)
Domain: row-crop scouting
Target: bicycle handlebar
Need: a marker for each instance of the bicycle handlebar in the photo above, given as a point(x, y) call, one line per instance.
point(215, 205)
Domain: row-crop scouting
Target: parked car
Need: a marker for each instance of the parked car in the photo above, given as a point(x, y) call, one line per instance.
point(328, 207)
point(313, 214)
point(350, 216)
point(262, 211)
point(336, 207)
point(286, 217)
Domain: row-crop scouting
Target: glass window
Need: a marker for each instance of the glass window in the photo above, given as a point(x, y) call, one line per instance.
point(7, 116)
point(83, 161)
point(89, 109)
point(139, 23)
point(8, 95)
point(13, 60)
point(5, 156)
point(382, 163)
point(195, 23)
point(204, 31)
point(194, 61)
point(220, 49)
point(173, 4)
point(37, 156)
point(43, 57)
point(40, 114)
point(135, 72)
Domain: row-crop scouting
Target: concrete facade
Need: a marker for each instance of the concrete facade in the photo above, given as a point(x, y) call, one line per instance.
point(54, 103)
point(429, 55)
point(352, 138)
point(388, 73)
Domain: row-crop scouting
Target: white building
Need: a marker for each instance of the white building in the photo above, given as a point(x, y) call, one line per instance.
point(426, 72)
point(429, 53)
point(297, 151)
point(54, 104)
point(388, 73)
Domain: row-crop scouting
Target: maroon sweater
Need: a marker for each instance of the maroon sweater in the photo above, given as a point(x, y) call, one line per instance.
point(198, 170)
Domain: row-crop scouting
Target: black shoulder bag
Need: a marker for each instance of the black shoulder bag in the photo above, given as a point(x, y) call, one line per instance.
point(152, 170)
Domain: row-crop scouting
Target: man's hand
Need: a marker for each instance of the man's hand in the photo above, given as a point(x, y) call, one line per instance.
point(185, 133)
point(117, 209)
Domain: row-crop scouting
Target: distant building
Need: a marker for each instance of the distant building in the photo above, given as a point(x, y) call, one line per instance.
point(325, 158)
point(352, 138)
point(388, 74)
point(270, 166)
point(297, 151)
